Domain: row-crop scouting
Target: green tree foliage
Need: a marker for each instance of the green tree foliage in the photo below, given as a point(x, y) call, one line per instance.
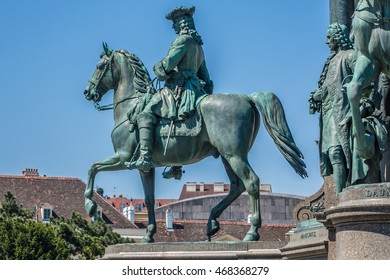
point(9, 208)
point(86, 240)
point(21, 238)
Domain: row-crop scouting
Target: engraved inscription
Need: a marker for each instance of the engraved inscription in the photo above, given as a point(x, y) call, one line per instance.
point(380, 192)
point(308, 234)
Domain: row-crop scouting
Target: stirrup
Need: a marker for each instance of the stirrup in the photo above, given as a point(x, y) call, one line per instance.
point(173, 173)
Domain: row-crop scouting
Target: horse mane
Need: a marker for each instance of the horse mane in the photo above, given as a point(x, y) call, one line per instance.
point(142, 84)
point(142, 81)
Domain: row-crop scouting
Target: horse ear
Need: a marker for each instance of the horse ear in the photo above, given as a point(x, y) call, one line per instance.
point(107, 49)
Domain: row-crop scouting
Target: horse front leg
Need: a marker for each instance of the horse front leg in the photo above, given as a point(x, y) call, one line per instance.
point(365, 73)
point(109, 164)
point(148, 182)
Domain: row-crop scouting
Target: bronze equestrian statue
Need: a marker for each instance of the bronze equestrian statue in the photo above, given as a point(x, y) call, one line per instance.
point(228, 126)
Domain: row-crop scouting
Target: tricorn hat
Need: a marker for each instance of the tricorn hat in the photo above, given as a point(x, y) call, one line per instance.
point(180, 11)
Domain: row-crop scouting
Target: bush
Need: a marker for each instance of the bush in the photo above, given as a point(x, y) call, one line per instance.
point(21, 238)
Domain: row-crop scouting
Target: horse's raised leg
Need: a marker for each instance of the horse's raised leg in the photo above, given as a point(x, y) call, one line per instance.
point(241, 167)
point(236, 189)
point(109, 164)
point(365, 73)
point(148, 182)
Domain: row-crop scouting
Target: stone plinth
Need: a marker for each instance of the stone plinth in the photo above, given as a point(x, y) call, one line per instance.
point(196, 251)
point(361, 221)
point(308, 241)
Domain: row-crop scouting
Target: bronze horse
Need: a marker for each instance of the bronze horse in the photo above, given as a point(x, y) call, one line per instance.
point(229, 128)
point(371, 31)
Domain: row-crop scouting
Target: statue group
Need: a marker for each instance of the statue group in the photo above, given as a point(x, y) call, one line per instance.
point(183, 122)
point(351, 97)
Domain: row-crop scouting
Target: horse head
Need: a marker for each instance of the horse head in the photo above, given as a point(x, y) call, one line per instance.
point(102, 79)
point(119, 67)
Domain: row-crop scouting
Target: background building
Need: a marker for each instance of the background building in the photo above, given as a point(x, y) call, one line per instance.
point(197, 199)
point(60, 197)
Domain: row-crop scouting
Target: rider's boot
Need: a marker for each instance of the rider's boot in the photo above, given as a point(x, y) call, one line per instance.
point(144, 162)
point(175, 172)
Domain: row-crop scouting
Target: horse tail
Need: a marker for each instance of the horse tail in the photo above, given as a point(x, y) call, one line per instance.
point(275, 123)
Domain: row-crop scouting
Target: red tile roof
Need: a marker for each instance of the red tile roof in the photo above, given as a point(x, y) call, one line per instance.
point(118, 200)
point(65, 194)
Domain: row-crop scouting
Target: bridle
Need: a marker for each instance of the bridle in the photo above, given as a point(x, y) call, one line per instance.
point(96, 81)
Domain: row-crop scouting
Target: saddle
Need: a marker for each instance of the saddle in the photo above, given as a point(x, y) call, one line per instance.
point(181, 128)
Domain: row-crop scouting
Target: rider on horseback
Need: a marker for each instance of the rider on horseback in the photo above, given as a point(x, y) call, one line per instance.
point(186, 81)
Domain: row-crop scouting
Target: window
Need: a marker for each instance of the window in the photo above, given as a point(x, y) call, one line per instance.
point(98, 214)
point(47, 213)
point(139, 207)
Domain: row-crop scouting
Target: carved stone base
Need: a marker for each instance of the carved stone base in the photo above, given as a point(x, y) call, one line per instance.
point(361, 222)
point(315, 204)
point(312, 239)
point(196, 251)
point(308, 241)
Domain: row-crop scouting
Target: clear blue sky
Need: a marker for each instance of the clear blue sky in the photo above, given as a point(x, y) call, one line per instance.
point(49, 50)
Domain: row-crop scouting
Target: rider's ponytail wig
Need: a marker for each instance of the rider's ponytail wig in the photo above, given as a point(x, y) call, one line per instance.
point(341, 36)
point(187, 26)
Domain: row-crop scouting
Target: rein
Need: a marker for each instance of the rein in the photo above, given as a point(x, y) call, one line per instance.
point(118, 125)
point(112, 105)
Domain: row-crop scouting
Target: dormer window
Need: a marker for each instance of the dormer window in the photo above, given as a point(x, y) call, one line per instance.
point(99, 214)
point(46, 212)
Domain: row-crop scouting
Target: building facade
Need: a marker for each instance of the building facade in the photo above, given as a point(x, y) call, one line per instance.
point(197, 200)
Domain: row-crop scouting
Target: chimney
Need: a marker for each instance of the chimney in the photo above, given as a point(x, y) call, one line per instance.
point(191, 186)
point(30, 172)
point(266, 188)
point(219, 187)
point(169, 219)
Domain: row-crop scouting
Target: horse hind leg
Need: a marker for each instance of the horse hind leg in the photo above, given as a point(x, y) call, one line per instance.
point(251, 181)
point(236, 189)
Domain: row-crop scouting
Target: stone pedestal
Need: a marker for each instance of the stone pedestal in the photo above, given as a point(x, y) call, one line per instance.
point(265, 250)
point(361, 221)
point(308, 241)
point(312, 239)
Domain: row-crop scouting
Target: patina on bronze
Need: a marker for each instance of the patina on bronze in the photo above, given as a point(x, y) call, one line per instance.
point(229, 129)
point(370, 25)
point(332, 104)
point(340, 152)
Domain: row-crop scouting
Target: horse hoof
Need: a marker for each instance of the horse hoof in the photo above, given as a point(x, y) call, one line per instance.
point(251, 237)
point(212, 228)
point(90, 207)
